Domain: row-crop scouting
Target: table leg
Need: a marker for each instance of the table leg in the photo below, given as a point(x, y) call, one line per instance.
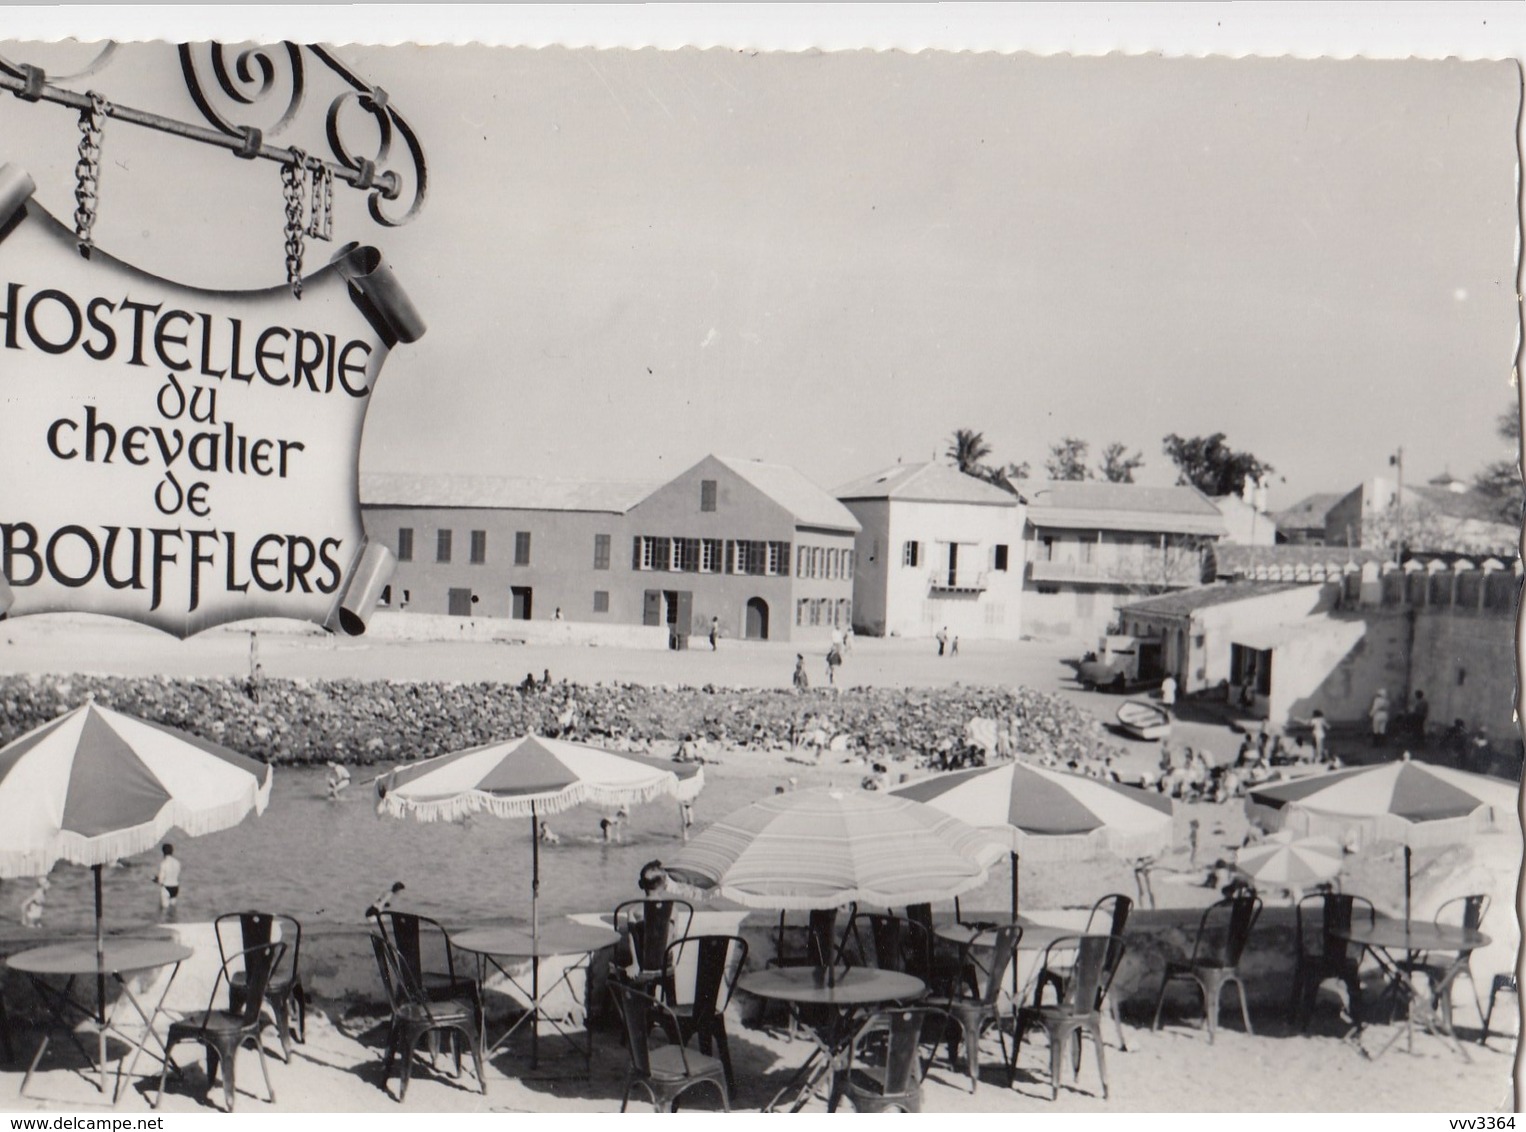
point(148, 1017)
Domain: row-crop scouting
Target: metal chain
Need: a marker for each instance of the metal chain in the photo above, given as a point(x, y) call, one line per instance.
point(292, 174)
point(320, 219)
point(87, 171)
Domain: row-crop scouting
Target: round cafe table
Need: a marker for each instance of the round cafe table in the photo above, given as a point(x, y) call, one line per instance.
point(1393, 945)
point(848, 994)
point(555, 939)
point(1035, 937)
point(120, 958)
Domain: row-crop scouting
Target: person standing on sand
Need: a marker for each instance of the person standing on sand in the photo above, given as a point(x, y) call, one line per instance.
point(715, 632)
point(168, 880)
point(834, 658)
point(941, 636)
point(800, 679)
point(1378, 713)
point(1168, 694)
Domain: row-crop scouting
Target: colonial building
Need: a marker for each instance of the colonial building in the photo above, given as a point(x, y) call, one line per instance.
point(756, 546)
point(1447, 630)
point(1089, 547)
point(936, 549)
point(1445, 515)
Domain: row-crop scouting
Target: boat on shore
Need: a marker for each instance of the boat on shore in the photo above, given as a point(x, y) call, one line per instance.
point(1144, 720)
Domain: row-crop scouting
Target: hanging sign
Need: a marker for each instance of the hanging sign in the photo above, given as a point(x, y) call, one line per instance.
point(180, 457)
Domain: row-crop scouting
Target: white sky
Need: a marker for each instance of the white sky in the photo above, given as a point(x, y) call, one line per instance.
point(834, 260)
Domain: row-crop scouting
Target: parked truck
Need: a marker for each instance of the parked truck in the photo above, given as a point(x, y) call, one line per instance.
point(1122, 662)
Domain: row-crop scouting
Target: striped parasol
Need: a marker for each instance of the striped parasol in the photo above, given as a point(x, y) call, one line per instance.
point(1283, 861)
point(1049, 815)
point(1417, 804)
point(94, 785)
point(528, 777)
point(812, 849)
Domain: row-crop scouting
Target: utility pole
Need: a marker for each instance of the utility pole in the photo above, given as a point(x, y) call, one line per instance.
point(1397, 461)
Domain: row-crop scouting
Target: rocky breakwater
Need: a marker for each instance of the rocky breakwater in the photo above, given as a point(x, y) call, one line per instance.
point(315, 721)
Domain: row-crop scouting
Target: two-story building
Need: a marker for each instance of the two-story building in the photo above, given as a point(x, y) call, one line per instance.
point(936, 549)
point(754, 545)
point(1091, 546)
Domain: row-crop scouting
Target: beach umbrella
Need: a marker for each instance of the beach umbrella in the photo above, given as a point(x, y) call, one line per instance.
point(530, 777)
point(1285, 861)
point(1049, 815)
point(815, 849)
point(1417, 804)
point(95, 785)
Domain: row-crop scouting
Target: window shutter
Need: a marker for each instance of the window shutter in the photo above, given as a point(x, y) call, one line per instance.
point(636, 553)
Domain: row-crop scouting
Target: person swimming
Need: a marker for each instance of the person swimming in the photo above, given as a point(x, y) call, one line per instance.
point(549, 836)
point(384, 901)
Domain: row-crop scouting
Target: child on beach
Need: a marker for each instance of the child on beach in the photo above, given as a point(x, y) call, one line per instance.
point(168, 880)
point(549, 836)
point(31, 911)
point(800, 679)
point(338, 781)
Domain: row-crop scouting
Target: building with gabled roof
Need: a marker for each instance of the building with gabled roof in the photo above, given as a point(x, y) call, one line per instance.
point(1429, 517)
point(1304, 522)
point(1089, 546)
point(937, 550)
point(755, 546)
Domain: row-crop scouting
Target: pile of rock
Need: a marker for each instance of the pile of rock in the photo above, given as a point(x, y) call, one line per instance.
point(312, 721)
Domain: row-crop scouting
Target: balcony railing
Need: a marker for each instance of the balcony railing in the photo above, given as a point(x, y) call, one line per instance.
point(1183, 571)
point(961, 583)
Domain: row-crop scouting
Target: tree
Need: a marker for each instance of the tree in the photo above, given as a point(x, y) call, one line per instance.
point(1500, 480)
point(1116, 467)
point(1211, 466)
point(1067, 460)
point(968, 449)
point(1159, 564)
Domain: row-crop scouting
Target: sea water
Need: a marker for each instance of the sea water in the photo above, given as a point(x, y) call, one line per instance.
point(323, 861)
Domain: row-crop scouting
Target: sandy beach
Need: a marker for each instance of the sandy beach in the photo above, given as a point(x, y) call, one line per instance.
point(1176, 1069)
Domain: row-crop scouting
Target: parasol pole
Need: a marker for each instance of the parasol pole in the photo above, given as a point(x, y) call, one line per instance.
point(100, 952)
point(1014, 887)
point(1406, 886)
point(534, 937)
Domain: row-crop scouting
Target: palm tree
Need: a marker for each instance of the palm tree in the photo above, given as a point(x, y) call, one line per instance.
point(967, 449)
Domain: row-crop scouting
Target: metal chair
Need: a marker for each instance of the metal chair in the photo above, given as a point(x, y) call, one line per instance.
point(1116, 907)
point(224, 1032)
point(718, 963)
point(884, 1069)
point(648, 936)
point(423, 946)
point(974, 1012)
point(1222, 935)
point(415, 1014)
point(285, 995)
point(668, 1071)
point(821, 949)
point(1085, 978)
point(1502, 982)
point(890, 943)
point(5, 1033)
point(1321, 955)
point(1471, 910)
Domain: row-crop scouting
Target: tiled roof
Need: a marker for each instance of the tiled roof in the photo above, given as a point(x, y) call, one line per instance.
point(1187, 601)
point(926, 483)
point(513, 493)
point(1473, 505)
point(810, 505)
point(1122, 507)
point(1309, 512)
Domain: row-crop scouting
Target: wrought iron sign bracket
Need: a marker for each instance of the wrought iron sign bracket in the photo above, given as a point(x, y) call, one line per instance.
point(251, 76)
